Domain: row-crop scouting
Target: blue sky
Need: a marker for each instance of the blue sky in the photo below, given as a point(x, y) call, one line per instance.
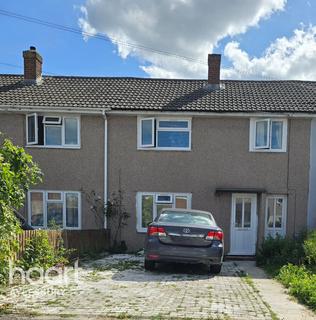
point(69, 54)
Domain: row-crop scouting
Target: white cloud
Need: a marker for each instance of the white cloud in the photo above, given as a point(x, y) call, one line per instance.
point(285, 58)
point(190, 28)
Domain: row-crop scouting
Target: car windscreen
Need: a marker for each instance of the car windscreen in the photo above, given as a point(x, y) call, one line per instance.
point(186, 218)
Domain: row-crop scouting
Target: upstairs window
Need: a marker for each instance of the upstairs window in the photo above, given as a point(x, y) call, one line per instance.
point(53, 131)
point(164, 134)
point(268, 135)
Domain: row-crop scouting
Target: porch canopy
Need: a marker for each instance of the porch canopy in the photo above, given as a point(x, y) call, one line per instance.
point(239, 190)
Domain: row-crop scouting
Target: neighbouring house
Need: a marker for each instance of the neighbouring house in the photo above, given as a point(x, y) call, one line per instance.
point(244, 150)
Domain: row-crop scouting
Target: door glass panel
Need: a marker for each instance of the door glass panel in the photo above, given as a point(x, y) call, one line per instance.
point(247, 213)
point(270, 213)
point(238, 213)
point(37, 215)
point(181, 202)
point(278, 213)
point(147, 210)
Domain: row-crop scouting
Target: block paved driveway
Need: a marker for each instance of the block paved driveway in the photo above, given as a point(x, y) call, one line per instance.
point(118, 287)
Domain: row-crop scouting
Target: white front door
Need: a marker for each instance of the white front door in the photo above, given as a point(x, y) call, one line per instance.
point(243, 224)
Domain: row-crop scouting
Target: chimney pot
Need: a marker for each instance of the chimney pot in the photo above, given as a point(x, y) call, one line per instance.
point(214, 68)
point(32, 66)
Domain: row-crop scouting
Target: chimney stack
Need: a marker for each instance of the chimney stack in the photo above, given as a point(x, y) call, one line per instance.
point(214, 68)
point(32, 66)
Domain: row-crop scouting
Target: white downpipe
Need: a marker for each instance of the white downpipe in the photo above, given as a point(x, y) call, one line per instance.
point(105, 196)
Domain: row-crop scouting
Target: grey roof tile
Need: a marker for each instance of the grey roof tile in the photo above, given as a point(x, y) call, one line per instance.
point(159, 94)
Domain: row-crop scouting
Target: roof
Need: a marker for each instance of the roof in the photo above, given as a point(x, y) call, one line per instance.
point(135, 94)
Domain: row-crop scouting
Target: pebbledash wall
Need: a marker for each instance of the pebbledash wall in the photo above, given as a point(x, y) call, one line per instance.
point(219, 157)
point(67, 169)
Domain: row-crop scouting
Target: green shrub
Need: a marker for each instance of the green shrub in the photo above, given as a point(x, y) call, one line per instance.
point(40, 253)
point(18, 173)
point(301, 283)
point(280, 251)
point(310, 249)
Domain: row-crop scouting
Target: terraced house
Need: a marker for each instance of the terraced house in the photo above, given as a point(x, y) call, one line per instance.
point(244, 150)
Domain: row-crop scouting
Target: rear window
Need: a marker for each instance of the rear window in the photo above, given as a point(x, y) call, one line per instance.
point(186, 218)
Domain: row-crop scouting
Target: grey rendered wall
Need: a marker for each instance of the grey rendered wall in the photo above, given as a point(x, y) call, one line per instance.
point(220, 157)
point(67, 169)
point(312, 179)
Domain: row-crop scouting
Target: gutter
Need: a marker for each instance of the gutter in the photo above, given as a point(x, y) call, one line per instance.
point(53, 109)
point(109, 110)
point(215, 114)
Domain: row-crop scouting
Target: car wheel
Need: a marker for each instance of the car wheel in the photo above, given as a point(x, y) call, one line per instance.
point(149, 265)
point(215, 268)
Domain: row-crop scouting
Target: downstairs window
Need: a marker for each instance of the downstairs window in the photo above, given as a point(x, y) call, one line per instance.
point(150, 204)
point(54, 208)
point(276, 208)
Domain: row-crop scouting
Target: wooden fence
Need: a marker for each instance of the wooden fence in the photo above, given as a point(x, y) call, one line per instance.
point(83, 241)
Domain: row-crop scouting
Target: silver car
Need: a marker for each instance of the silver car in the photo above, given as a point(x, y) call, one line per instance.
point(186, 236)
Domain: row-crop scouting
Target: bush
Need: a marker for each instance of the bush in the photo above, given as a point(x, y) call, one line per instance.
point(280, 251)
point(18, 173)
point(301, 283)
point(40, 253)
point(310, 249)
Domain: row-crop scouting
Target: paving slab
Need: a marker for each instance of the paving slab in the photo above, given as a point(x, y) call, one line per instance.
point(118, 287)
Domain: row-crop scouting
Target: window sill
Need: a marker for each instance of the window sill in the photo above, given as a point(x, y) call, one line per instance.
point(45, 228)
point(164, 149)
point(268, 150)
point(144, 231)
point(52, 147)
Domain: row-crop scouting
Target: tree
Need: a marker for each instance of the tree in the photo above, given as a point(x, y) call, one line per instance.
point(18, 173)
point(117, 216)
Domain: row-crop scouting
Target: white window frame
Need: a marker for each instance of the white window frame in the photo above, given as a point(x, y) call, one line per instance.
point(139, 196)
point(27, 129)
point(54, 124)
point(156, 129)
point(62, 135)
point(29, 208)
point(58, 122)
point(63, 201)
point(268, 134)
point(274, 231)
point(164, 195)
point(152, 144)
point(252, 135)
